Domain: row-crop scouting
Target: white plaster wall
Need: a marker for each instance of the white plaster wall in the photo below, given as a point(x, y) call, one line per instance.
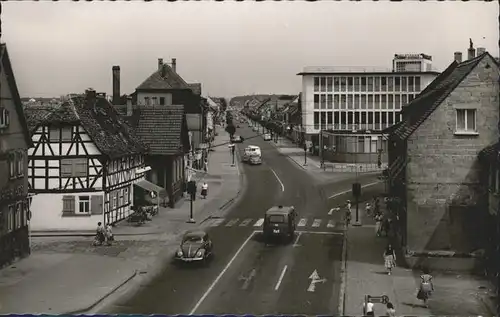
point(46, 212)
point(308, 103)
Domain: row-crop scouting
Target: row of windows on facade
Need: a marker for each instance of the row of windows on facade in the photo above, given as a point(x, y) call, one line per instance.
point(15, 218)
point(330, 120)
point(335, 120)
point(154, 101)
point(16, 164)
point(375, 83)
point(357, 144)
point(329, 101)
point(118, 198)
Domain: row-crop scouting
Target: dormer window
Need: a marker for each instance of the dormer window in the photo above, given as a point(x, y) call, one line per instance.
point(4, 118)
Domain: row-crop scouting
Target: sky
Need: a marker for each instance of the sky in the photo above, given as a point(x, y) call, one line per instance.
point(231, 48)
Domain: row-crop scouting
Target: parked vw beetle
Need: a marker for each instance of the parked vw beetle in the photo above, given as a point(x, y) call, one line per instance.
point(196, 246)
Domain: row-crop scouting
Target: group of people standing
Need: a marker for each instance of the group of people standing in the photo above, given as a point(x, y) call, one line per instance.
point(104, 235)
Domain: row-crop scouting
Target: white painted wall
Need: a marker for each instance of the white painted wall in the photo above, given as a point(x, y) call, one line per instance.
point(46, 212)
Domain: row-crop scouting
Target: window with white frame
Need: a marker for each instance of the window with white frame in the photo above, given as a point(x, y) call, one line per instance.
point(466, 120)
point(84, 204)
point(114, 194)
point(19, 213)
point(125, 195)
point(12, 165)
point(20, 163)
point(10, 218)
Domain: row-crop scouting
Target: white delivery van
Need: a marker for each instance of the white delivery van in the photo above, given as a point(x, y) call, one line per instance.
point(252, 155)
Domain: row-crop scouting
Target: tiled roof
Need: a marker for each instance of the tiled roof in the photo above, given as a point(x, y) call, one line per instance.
point(171, 80)
point(196, 88)
point(433, 95)
point(103, 124)
point(9, 74)
point(160, 127)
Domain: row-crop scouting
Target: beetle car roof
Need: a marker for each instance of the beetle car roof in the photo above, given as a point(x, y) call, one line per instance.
point(194, 233)
point(279, 210)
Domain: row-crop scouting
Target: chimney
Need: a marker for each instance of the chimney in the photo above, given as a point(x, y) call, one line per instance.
point(174, 65)
point(480, 50)
point(90, 96)
point(129, 106)
point(116, 85)
point(160, 63)
point(471, 51)
point(458, 57)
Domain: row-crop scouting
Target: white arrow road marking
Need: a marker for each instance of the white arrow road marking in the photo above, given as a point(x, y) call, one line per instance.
point(348, 191)
point(302, 222)
point(314, 277)
point(259, 222)
point(281, 278)
point(232, 222)
point(217, 222)
point(316, 223)
point(245, 222)
point(330, 224)
point(248, 279)
point(295, 244)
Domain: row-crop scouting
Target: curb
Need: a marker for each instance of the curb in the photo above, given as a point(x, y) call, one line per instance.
point(82, 311)
point(343, 278)
point(63, 235)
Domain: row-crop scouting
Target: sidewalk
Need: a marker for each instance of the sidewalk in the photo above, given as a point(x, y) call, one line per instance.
point(366, 275)
point(65, 274)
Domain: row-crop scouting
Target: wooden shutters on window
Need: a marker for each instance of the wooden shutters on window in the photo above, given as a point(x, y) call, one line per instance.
point(69, 204)
point(74, 167)
point(96, 205)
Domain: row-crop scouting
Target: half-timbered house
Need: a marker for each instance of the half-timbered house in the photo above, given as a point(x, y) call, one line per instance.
point(14, 142)
point(83, 165)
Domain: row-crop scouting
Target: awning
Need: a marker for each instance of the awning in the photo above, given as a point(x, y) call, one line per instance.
point(147, 185)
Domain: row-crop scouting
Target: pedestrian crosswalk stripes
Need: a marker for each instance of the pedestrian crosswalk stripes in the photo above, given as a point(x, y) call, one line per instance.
point(258, 223)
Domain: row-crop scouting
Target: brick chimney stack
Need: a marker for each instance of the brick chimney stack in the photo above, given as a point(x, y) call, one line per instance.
point(129, 106)
point(90, 96)
point(160, 63)
point(471, 51)
point(174, 65)
point(116, 85)
point(480, 50)
point(458, 57)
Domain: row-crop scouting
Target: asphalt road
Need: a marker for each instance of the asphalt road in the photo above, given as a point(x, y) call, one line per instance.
point(246, 276)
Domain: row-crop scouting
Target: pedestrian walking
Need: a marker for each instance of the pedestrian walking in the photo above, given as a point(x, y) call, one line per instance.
point(348, 212)
point(426, 286)
point(204, 190)
point(100, 235)
point(378, 224)
point(109, 235)
point(369, 311)
point(389, 258)
point(391, 311)
point(368, 209)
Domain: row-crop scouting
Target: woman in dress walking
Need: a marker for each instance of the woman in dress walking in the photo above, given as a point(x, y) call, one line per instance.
point(426, 286)
point(390, 259)
point(378, 224)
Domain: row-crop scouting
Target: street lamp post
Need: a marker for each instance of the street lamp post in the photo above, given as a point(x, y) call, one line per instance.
point(357, 185)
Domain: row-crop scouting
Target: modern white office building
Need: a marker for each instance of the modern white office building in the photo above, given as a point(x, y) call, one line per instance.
point(352, 105)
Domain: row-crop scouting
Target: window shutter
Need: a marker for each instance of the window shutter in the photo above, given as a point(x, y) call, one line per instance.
point(96, 205)
point(68, 204)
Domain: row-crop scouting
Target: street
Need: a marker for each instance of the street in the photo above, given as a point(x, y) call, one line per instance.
point(246, 275)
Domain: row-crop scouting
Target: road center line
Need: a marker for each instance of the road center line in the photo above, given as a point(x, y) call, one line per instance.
point(281, 278)
point(297, 239)
point(348, 191)
point(279, 180)
point(224, 270)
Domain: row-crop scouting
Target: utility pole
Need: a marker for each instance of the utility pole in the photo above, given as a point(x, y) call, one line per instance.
point(356, 186)
point(192, 193)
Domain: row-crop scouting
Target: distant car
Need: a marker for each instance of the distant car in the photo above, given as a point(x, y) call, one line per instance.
point(267, 137)
point(195, 246)
point(236, 139)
